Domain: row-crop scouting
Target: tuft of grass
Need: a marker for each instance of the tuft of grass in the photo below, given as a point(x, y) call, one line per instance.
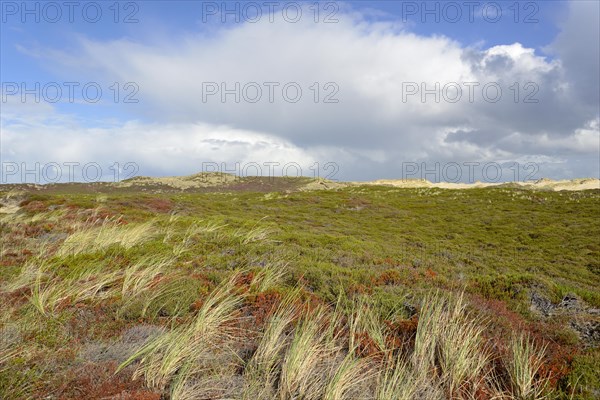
point(364, 323)
point(268, 277)
point(162, 357)
point(143, 275)
point(523, 366)
point(261, 371)
point(91, 239)
point(48, 292)
point(448, 344)
point(43, 298)
point(256, 233)
point(348, 375)
point(183, 244)
point(396, 381)
point(300, 375)
point(462, 358)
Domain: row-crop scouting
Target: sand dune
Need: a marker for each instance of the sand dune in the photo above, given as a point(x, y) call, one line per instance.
point(542, 184)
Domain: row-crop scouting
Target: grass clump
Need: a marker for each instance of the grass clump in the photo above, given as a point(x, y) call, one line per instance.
point(450, 339)
point(523, 365)
point(299, 370)
point(91, 239)
point(162, 357)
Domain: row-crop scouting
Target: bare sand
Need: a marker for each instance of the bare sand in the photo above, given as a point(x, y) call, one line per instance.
point(218, 179)
point(541, 184)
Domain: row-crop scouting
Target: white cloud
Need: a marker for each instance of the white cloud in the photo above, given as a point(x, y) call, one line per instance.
point(371, 130)
point(156, 148)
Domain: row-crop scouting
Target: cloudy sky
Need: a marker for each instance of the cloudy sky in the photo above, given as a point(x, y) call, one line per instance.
point(446, 91)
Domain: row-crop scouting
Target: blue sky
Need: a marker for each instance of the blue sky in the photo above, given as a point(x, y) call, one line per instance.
point(367, 57)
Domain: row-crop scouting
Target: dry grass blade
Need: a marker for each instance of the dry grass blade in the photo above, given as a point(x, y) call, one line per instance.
point(143, 274)
point(261, 371)
point(162, 357)
point(307, 349)
point(90, 239)
point(363, 320)
point(268, 277)
point(397, 382)
point(346, 378)
point(460, 353)
point(523, 366)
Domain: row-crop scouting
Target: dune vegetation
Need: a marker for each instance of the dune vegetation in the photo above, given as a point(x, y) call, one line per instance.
point(267, 292)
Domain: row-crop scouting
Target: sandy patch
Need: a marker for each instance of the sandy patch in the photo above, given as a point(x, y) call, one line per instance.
point(8, 208)
point(182, 182)
point(541, 184)
point(325, 184)
point(9, 204)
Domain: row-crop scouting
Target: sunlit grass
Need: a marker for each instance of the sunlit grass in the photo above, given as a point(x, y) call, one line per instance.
point(162, 357)
point(524, 363)
point(91, 239)
point(313, 302)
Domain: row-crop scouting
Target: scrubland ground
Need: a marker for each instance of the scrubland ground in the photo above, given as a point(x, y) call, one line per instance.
point(265, 292)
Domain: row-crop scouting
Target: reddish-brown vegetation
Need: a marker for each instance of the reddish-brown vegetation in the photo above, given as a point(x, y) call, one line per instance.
point(98, 381)
point(263, 305)
point(389, 277)
point(158, 205)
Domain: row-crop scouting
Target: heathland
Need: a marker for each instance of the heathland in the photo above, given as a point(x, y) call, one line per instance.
point(218, 287)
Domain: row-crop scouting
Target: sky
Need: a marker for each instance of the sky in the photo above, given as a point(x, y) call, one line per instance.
point(357, 90)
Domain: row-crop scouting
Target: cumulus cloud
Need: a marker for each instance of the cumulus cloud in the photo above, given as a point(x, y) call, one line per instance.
point(157, 149)
point(376, 71)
